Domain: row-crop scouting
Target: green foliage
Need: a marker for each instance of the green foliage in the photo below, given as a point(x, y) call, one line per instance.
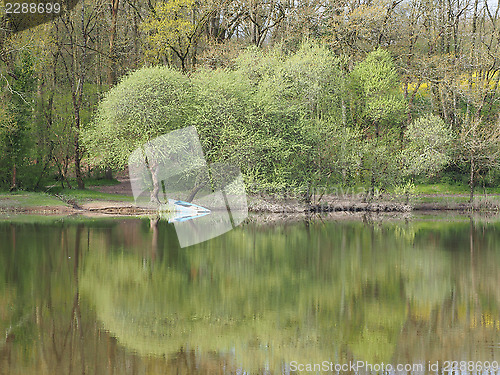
point(272, 122)
point(428, 146)
point(169, 28)
point(307, 83)
point(15, 121)
point(405, 190)
point(282, 118)
point(375, 86)
point(378, 107)
point(381, 161)
point(144, 105)
point(221, 115)
point(295, 102)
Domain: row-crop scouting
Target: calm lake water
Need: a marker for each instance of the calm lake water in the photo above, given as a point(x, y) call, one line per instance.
point(115, 296)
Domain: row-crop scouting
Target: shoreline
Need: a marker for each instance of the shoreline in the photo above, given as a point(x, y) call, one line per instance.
point(15, 204)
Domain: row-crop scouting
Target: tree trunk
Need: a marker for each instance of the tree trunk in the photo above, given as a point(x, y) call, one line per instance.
point(136, 41)
point(112, 50)
point(372, 185)
point(254, 34)
point(45, 166)
point(14, 178)
point(344, 115)
point(471, 181)
point(156, 189)
point(374, 165)
point(108, 174)
point(77, 102)
point(153, 169)
point(78, 156)
point(195, 191)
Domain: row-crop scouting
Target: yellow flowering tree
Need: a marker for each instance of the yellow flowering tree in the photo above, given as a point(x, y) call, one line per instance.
point(174, 28)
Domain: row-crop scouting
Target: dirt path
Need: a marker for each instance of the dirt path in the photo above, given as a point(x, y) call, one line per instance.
point(123, 188)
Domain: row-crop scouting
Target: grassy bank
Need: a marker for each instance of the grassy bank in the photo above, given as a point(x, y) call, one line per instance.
point(58, 200)
point(423, 198)
point(449, 189)
point(22, 199)
point(80, 197)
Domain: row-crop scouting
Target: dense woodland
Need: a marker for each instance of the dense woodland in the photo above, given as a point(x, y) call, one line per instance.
point(303, 95)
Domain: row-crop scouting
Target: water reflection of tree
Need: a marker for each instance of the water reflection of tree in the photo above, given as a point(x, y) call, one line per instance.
point(361, 300)
point(465, 324)
point(53, 331)
point(276, 292)
point(379, 286)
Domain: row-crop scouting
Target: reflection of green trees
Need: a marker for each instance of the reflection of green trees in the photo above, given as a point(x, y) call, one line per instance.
point(26, 256)
point(256, 297)
point(41, 323)
point(379, 331)
point(269, 294)
point(205, 303)
point(23, 248)
point(427, 273)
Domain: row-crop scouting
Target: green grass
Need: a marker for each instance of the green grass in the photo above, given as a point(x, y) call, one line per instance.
point(453, 199)
point(87, 195)
point(29, 199)
point(444, 188)
point(56, 197)
point(87, 181)
point(100, 182)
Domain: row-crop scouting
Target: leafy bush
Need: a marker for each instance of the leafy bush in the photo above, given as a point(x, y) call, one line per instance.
point(427, 150)
point(144, 105)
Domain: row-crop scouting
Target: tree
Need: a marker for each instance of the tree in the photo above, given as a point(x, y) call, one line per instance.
point(479, 147)
point(292, 104)
point(375, 84)
point(378, 108)
point(262, 17)
point(174, 27)
point(75, 75)
point(144, 105)
point(355, 28)
point(112, 68)
point(16, 121)
point(427, 149)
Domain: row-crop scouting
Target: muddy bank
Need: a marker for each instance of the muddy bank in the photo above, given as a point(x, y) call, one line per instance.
point(361, 207)
point(330, 204)
point(89, 208)
point(443, 206)
point(115, 208)
point(288, 209)
point(40, 210)
point(325, 205)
